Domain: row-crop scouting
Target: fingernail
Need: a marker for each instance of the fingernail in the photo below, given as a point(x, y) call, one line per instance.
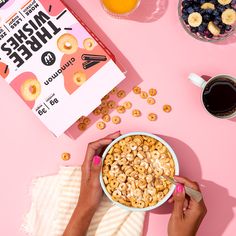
point(179, 188)
point(96, 160)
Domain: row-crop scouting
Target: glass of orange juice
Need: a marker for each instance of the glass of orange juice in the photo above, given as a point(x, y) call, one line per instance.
point(120, 8)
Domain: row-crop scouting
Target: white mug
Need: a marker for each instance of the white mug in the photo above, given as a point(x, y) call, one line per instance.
point(200, 82)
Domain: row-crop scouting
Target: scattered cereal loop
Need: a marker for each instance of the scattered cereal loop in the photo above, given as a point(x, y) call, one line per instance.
point(120, 109)
point(65, 156)
point(151, 101)
point(136, 113)
point(121, 94)
point(152, 116)
point(144, 95)
point(137, 90)
point(82, 126)
point(101, 125)
point(106, 118)
point(127, 105)
point(167, 108)
point(116, 120)
point(152, 92)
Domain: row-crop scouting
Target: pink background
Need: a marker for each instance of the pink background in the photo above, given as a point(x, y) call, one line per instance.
point(155, 49)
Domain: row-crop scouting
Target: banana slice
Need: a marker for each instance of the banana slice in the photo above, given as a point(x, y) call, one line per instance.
point(195, 19)
point(213, 28)
point(224, 2)
point(208, 5)
point(229, 16)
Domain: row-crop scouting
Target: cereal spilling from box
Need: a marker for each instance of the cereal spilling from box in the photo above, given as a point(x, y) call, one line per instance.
point(54, 62)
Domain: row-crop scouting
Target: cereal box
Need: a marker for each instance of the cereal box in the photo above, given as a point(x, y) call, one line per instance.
point(53, 61)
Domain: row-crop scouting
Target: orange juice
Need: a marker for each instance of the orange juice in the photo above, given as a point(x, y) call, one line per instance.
point(120, 7)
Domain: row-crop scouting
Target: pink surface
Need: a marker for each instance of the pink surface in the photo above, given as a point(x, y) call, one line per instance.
point(153, 47)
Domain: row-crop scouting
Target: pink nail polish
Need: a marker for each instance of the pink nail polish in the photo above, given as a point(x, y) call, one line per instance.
point(96, 160)
point(179, 188)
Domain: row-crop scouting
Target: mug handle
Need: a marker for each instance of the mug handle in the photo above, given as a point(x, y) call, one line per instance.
point(197, 80)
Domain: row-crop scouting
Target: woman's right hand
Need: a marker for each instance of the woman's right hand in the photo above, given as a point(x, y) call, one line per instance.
point(187, 214)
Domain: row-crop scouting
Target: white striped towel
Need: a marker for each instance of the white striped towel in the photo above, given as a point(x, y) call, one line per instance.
point(54, 199)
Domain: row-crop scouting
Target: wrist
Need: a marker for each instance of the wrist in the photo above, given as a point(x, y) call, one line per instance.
point(85, 211)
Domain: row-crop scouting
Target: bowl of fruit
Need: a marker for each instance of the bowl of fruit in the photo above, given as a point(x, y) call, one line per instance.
point(208, 20)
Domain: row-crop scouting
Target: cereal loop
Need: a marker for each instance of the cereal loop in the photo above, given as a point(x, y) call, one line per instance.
point(151, 101)
point(120, 109)
point(121, 94)
point(82, 127)
point(167, 108)
point(137, 90)
point(136, 113)
point(65, 156)
point(144, 95)
point(101, 125)
point(152, 116)
point(152, 92)
point(127, 105)
point(106, 118)
point(116, 120)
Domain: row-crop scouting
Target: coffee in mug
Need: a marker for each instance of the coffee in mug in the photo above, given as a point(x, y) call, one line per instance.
point(219, 94)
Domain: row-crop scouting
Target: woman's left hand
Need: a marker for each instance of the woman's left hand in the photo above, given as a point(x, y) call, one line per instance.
point(90, 190)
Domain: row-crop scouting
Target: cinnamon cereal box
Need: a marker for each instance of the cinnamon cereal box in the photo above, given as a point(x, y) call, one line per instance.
point(53, 61)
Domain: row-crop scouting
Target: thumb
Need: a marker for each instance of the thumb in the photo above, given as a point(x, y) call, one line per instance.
point(96, 167)
point(179, 197)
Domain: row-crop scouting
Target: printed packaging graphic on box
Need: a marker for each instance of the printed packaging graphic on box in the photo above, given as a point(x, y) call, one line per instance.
point(53, 61)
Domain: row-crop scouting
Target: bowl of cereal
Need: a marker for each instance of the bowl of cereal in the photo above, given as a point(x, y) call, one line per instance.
point(132, 166)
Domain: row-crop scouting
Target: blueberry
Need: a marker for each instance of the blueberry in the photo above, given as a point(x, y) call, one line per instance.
point(194, 30)
point(202, 11)
point(186, 4)
point(215, 13)
point(185, 17)
point(220, 8)
point(184, 11)
point(216, 21)
point(222, 26)
point(228, 27)
point(213, 1)
point(196, 8)
point(206, 17)
point(202, 28)
point(208, 34)
point(222, 31)
point(202, 1)
point(218, 18)
point(209, 11)
point(190, 10)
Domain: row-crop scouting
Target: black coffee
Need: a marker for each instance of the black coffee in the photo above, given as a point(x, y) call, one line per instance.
point(219, 97)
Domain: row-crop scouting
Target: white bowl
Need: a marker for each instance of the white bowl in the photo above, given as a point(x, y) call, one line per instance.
point(167, 196)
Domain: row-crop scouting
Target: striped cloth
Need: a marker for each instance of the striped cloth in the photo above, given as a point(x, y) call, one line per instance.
point(54, 199)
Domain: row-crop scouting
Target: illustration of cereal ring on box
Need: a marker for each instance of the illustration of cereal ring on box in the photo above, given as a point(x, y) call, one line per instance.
point(67, 43)
point(53, 7)
point(79, 63)
point(4, 70)
point(27, 87)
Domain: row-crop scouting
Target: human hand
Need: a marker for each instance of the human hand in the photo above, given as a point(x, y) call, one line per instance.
point(187, 214)
point(90, 190)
